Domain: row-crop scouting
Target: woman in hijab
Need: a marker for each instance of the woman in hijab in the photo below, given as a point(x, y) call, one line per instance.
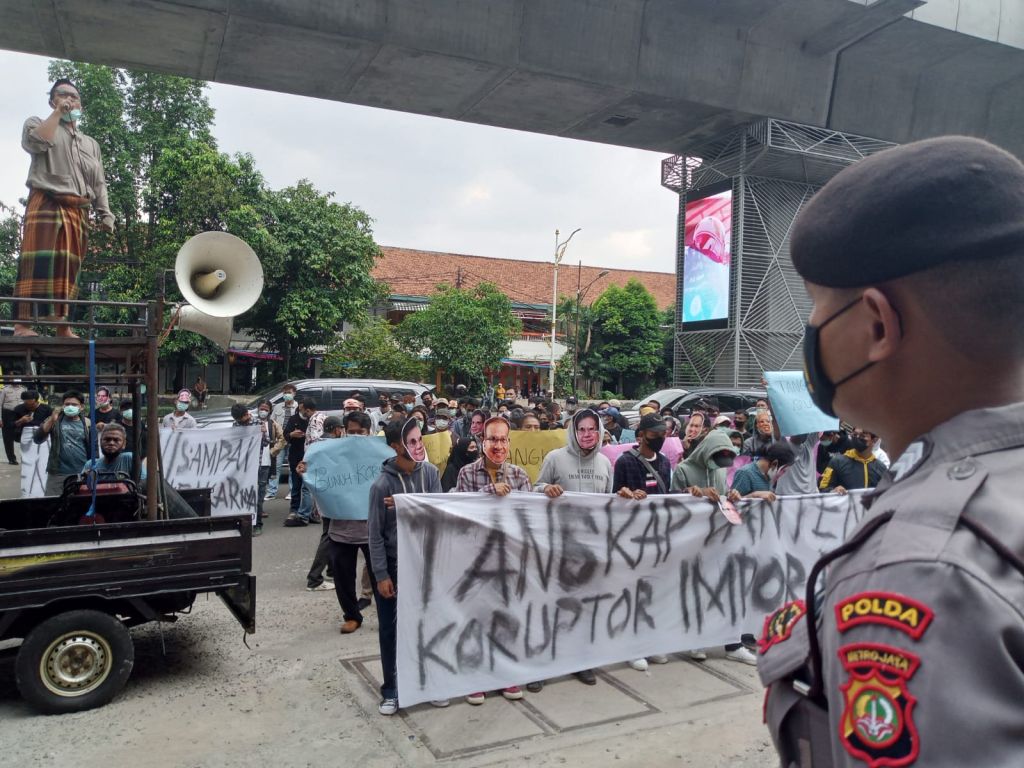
point(464, 451)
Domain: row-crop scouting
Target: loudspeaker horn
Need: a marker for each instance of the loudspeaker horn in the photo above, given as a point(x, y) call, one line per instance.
point(216, 329)
point(218, 274)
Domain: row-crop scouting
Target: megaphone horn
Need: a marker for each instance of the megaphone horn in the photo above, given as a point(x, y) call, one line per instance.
point(218, 274)
point(216, 329)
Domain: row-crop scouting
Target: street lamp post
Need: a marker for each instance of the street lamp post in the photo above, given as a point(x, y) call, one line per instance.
point(576, 346)
point(559, 253)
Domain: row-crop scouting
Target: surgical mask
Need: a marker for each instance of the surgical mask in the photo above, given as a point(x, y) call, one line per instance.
point(823, 389)
point(182, 407)
point(73, 116)
point(724, 460)
point(826, 443)
point(287, 397)
point(408, 406)
point(264, 415)
point(441, 423)
point(655, 443)
point(72, 410)
point(127, 414)
point(419, 423)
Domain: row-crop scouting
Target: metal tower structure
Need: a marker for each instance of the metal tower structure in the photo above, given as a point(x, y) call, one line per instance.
point(774, 168)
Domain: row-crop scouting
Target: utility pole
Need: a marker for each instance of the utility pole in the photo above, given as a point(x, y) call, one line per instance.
point(559, 253)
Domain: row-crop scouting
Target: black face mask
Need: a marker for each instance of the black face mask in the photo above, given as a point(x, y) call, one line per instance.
point(859, 444)
point(823, 389)
point(655, 443)
point(723, 460)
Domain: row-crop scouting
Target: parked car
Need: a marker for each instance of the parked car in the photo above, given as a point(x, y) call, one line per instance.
point(328, 393)
point(664, 396)
point(726, 400)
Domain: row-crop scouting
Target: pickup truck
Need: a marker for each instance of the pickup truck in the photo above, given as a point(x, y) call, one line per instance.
point(76, 575)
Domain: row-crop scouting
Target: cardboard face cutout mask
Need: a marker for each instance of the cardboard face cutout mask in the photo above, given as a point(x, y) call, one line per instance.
point(496, 440)
point(412, 439)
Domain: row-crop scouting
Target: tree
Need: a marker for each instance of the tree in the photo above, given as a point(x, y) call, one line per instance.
point(465, 332)
point(10, 246)
point(627, 342)
point(371, 351)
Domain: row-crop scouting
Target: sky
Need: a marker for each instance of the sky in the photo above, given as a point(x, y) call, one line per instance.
point(428, 183)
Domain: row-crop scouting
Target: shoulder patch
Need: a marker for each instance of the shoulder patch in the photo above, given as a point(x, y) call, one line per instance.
point(877, 725)
point(888, 608)
point(778, 626)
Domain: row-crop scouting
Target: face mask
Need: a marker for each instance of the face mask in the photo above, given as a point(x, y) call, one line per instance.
point(441, 423)
point(71, 410)
point(655, 443)
point(826, 443)
point(287, 397)
point(823, 389)
point(127, 414)
point(264, 415)
point(419, 423)
point(723, 460)
point(408, 406)
point(73, 116)
point(182, 407)
point(859, 444)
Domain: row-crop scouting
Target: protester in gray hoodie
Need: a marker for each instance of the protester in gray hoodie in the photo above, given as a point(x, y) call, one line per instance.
point(580, 466)
point(401, 474)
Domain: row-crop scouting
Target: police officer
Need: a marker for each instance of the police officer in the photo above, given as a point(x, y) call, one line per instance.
point(910, 648)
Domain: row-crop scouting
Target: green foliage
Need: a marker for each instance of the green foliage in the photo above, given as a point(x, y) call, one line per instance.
point(371, 351)
point(10, 246)
point(627, 341)
point(462, 331)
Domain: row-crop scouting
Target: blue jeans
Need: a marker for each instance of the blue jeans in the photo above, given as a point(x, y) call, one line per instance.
point(261, 487)
point(272, 485)
point(305, 504)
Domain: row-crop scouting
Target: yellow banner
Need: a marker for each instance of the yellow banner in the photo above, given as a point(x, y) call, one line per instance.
point(439, 447)
point(528, 449)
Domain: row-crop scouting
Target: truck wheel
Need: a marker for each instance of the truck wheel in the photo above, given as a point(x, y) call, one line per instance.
point(74, 661)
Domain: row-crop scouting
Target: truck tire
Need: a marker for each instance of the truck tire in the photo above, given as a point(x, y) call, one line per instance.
point(74, 661)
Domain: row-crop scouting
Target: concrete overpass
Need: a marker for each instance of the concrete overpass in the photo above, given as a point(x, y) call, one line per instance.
point(654, 74)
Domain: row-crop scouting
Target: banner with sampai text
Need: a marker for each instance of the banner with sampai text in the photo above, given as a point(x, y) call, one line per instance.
point(502, 591)
point(225, 459)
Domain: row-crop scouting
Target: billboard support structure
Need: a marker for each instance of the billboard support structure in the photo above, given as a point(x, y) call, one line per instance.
point(774, 168)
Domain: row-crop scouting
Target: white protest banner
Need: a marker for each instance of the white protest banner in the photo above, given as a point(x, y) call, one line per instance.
point(33, 465)
point(340, 471)
point(225, 459)
point(501, 591)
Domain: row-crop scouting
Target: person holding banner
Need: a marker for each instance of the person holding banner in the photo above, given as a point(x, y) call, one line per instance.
point(492, 473)
point(578, 467)
point(69, 446)
point(401, 474)
point(180, 418)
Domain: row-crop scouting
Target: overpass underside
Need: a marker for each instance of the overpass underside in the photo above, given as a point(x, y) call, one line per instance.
point(662, 75)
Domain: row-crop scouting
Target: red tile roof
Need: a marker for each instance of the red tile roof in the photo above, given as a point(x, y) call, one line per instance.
point(411, 272)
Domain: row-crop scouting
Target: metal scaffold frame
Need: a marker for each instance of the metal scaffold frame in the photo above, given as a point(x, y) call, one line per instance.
point(774, 167)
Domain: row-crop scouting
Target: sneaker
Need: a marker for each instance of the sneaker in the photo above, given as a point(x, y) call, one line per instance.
point(294, 521)
point(587, 677)
point(364, 603)
point(257, 530)
point(476, 699)
point(268, 497)
point(535, 687)
point(640, 665)
point(512, 693)
point(440, 703)
point(323, 586)
point(349, 627)
point(742, 655)
point(288, 497)
point(658, 658)
point(698, 655)
point(388, 707)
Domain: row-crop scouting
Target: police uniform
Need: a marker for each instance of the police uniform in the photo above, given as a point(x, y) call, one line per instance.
point(908, 648)
point(921, 625)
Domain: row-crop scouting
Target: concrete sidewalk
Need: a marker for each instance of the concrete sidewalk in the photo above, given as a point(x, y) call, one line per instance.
point(301, 694)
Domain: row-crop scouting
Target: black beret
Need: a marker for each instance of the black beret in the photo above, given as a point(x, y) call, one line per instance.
point(911, 208)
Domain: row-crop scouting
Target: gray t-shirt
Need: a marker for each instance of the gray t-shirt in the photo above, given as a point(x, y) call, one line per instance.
point(72, 446)
point(801, 477)
point(348, 532)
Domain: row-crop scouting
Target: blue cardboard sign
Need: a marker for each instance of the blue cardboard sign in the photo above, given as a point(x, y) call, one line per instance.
point(340, 471)
point(791, 402)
